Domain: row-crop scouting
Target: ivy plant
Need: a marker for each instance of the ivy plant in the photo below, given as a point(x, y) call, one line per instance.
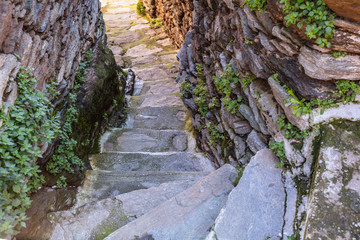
point(290, 131)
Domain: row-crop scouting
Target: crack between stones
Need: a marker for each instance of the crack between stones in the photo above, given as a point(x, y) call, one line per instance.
point(283, 181)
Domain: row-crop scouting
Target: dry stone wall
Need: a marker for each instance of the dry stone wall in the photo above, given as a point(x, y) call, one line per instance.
point(176, 17)
point(234, 118)
point(51, 37)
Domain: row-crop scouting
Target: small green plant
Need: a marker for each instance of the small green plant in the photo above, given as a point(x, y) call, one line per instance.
point(275, 76)
point(256, 4)
point(61, 182)
point(223, 85)
point(302, 107)
point(315, 15)
point(201, 92)
point(292, 237)
point(290, 131)
point(156, 23)
point(185, 86)
point(240, 174)
point(26, 124)
point(140, 9)
point(337, 54)
point(249, 42)
point(247, 80)
point(278, 149)
point(347, 90)
point(215, 135)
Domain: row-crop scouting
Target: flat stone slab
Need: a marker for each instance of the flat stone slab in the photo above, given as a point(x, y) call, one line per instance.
point(150, 100)
point(157, 117)
point(127, 37)
point(106, 216)
point(154, 74)
point(142, 50)
point(151, 162)
point(160, 88)
point(145, 140)
point(100, 184)
point(255, 208)
point(188, 215)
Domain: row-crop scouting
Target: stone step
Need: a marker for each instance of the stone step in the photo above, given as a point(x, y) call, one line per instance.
point(157, 118)
point(100, 184)
point(183, 161)
point(151, 100)
point(160, 87)
point(145, 140)
point(105, 216)
point(188, 215)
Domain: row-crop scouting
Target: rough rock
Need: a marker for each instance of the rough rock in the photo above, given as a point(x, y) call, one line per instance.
point(325, 67)
point(334, 201)
point(345, 8)
point(281, 96)
point(255, 208)
point(7, 65)
point(255, 142)
point(192, 211)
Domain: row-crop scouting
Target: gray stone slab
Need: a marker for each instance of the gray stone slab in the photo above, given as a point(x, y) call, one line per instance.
point(106, 216)
point(144, 140)
point(157, 117)
point(100, 184)
point(151, 162)
point(158, 100)
point(255, 208)
point(188, 215)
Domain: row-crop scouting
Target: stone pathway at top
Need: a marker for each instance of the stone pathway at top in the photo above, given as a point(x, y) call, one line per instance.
point(148, 182)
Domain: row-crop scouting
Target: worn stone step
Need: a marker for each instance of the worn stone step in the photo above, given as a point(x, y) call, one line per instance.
point(105, 216)
point(180, 161)
point(145, 140)
point(157, 118)
point(188, 215)
point(160, 87)
point(158, 100)
point(101, 184)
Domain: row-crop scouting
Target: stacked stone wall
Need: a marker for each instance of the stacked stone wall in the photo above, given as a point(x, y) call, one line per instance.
point(51, 37)
point(176, 17)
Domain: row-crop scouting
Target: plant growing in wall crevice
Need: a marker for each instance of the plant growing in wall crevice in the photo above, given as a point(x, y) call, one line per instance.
point(29, 123)
point(314, 15)
point(223, 84)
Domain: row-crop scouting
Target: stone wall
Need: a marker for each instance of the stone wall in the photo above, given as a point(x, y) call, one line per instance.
point(52, 37)
point(257, 45)
point(175, 15)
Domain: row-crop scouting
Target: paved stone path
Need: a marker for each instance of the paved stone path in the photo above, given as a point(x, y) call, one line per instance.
point(148, 173)
point(153, 147)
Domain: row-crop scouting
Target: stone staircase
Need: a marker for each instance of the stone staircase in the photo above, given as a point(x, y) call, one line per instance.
point(148, 182)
